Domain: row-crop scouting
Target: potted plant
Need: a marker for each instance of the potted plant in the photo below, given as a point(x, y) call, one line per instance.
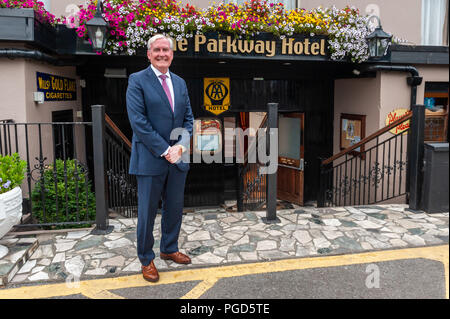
point(12, 172)
point(63, 194)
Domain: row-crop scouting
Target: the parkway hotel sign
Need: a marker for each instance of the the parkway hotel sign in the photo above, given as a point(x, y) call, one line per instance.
point(264, 45)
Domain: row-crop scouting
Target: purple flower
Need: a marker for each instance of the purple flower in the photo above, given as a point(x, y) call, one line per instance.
point(6, 185)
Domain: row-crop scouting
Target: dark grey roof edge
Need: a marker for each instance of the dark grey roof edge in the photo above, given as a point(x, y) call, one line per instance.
point(16, 12)
point(420, 54)
point(419, 48)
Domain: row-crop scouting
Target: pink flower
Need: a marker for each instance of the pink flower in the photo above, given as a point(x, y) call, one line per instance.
point(130, 17)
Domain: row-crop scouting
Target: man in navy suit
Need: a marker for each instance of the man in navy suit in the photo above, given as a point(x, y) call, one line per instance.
point(157, 103)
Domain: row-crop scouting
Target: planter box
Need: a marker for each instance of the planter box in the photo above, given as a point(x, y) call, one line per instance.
point(16, 24)
point(70, 43)
point(22, 25)
point(10, 209)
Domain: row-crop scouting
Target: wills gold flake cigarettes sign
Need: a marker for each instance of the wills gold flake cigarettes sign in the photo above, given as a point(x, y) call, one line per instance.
point(56, 88)
point(216, 94)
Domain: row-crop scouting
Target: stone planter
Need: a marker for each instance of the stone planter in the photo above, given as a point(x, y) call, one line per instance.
point(10, 213)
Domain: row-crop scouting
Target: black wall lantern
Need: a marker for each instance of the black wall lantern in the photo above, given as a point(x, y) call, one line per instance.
point(378, 41)
point(96, 28)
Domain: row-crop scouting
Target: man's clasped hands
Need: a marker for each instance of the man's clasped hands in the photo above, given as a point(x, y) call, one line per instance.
point(174, 154)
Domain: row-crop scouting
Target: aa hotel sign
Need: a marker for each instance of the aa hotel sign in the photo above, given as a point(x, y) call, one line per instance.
point(216, 94)
point(263, 45)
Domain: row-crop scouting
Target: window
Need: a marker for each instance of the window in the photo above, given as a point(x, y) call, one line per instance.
point(436, 111)
point(435, 22)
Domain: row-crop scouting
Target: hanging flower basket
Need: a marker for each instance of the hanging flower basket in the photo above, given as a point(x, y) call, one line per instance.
point(132, 23)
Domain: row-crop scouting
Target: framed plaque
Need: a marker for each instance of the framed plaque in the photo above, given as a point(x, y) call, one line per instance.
point(353, 130)
point(207, 135)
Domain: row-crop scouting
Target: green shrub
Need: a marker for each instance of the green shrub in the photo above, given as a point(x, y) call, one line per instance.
point(12, 172)
point(65, 209)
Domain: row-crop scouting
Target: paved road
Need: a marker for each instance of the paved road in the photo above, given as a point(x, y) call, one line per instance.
point(392, 274)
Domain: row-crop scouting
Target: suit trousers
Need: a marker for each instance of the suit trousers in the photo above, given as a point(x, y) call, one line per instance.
point(170, 188)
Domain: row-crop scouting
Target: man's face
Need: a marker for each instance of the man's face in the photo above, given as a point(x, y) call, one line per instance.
point(160, 55)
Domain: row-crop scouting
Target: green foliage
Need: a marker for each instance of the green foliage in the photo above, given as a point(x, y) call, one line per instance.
point(60, 199)
point(12, 172)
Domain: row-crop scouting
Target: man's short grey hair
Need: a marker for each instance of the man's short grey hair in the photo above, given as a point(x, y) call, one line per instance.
point(159, 36)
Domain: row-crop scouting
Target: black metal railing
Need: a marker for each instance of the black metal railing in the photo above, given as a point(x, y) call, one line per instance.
point(253, 183)
point(371, 171)
point(257, 182)
point(57, 189)
point(122, 187)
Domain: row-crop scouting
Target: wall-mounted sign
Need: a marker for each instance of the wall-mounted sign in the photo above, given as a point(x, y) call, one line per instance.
point(216, 95)
point(56, 88)
point(396, 115)
point(207, 135)
point(353, 130)
point(265, 45)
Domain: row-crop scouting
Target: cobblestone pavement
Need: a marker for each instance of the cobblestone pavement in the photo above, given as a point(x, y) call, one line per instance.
point(216, 237)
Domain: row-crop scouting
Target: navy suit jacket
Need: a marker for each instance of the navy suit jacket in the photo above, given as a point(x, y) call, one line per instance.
point(152, 121)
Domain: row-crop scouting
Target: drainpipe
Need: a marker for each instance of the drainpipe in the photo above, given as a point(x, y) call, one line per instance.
point(414, 80)
point(414, 174)
point(35, 55)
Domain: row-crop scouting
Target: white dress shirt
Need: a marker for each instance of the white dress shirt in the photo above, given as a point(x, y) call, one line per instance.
point(169, 84)
point(168, 81)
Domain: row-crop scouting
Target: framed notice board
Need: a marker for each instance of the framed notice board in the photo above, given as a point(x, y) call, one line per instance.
point(353, 130)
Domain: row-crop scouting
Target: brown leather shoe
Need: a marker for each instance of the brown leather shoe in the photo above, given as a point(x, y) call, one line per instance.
point(150, 273)
point(177, 257)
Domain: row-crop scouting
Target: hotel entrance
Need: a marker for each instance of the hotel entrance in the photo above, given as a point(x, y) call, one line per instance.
point(291, 157)
point(302, 90)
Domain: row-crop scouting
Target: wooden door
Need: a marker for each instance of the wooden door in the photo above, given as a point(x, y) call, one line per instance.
point(290, 175)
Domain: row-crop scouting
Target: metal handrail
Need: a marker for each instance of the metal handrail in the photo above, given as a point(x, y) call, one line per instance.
point(117, 132)
point(368, 139)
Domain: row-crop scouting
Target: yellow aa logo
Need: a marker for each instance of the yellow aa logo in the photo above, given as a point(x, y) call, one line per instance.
point(216, 94)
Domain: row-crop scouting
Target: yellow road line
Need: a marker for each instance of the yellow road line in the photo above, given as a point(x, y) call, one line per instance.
point(200, 289)
point(208, 276)
point(100, 294)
